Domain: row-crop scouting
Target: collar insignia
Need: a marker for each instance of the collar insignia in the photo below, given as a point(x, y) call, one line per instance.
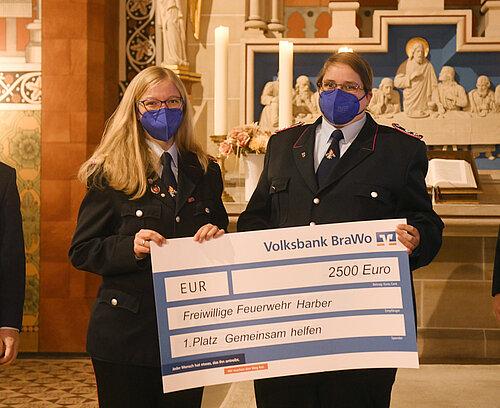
point(397, 126)
point(330, 155)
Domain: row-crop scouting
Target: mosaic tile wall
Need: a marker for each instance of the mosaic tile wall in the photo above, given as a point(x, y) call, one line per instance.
point(140, 39)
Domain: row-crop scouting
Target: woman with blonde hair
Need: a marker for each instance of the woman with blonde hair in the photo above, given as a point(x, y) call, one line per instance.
point(148, 180)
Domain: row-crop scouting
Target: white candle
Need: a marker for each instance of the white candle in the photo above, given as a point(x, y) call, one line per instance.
point(220, 80)
point(285, 83)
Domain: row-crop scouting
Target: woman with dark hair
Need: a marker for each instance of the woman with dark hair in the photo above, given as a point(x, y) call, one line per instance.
point(344, 167)
point(148, 180)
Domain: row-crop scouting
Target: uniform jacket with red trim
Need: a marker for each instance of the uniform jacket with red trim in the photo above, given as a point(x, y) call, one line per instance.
point(122, 325)
point(380, 176)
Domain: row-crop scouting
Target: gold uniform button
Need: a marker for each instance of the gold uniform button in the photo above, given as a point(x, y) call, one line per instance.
point(316, 200)
point(207, 210)
point(312, 223)
point(114, 302)
point(374, 194)
point(139, 213)
point(163, 195)
point(177, 219)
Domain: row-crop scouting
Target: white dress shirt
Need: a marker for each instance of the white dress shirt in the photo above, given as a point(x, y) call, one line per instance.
point(322, 139)
point(173, 152)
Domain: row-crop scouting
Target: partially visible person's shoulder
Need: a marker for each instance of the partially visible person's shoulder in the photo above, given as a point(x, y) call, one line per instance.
point(7, 174)
point(290, 132)
point(295, 127)
point(399, 133)
point(6, 169)
point(213, 164)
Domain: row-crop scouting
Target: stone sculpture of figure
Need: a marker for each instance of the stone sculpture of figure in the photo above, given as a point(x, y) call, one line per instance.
point(482, 99)
point(304, 105)
point(173, 31)
point(269, 118)
point(450, 96)
point(385, 100)
point(417, 78)
point(497, 97)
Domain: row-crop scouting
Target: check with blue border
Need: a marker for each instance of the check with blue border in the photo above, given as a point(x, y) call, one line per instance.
point(283, 301)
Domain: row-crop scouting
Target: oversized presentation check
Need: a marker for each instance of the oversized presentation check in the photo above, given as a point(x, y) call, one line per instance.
point(283, 301)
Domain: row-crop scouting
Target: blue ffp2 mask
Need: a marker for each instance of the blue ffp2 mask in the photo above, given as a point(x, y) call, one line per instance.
point(339, 107)
point(162, 124)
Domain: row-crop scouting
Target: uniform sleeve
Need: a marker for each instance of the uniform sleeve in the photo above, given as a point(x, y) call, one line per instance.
point(416, 206)
point(258, 212)
point(220, 219)
point(12, 257)
point(96, 245)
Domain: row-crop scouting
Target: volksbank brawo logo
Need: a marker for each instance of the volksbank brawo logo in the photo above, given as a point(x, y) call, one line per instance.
point(386, 238)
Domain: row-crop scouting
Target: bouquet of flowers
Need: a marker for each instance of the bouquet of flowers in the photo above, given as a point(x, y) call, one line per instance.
point(245, 139)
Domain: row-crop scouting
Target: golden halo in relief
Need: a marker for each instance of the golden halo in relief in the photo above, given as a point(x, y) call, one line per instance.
point(413, 41)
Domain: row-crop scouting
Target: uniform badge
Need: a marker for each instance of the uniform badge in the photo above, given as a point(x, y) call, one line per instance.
point(190, 199)
point(330, 155)
point(303, 154)
point(155, 189)
point(150, 180)
point(172, 191)
point(290, 127)
point(397, 126)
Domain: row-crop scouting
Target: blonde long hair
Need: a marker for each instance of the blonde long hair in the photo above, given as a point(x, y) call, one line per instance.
point(123, 160)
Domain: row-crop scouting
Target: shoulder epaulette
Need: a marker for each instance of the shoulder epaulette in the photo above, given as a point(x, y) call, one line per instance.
point(397, 126)
point(290, 127)
point(212, 158)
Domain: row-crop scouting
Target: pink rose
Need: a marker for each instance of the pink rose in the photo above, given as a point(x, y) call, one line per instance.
point(226, 148)
point(242, 139)
point(233, 134)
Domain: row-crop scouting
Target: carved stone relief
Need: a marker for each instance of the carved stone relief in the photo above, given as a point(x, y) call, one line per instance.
point(385, 101)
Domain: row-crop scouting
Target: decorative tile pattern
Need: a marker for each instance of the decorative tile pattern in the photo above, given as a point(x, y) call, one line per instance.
point(140, 38)
point(31, 383)
point(21, 87)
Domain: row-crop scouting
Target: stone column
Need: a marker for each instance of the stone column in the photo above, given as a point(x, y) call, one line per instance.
point(255, 25)
point(34, 47)
point(421, 5)
point(343, 19)
point(491, 11)
point(276, 25)
point(80, 68)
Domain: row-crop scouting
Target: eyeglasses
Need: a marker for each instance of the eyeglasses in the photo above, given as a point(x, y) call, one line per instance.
point(153, 104)
point(346, 86)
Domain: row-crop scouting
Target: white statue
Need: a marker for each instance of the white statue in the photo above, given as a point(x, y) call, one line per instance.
point(385, 101)
point(497, 97)
point(417, 78)
point(482, 99)
point(173, 28)
point(304, 104)
point(269, 118)
point(450, 95)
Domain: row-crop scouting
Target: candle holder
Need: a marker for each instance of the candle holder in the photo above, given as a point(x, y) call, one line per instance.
point(218, 139)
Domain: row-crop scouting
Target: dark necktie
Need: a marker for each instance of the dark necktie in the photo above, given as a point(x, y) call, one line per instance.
point(330, 159)
point(167, 175)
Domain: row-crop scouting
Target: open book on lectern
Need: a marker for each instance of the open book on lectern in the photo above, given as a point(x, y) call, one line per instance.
point(450, 173)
